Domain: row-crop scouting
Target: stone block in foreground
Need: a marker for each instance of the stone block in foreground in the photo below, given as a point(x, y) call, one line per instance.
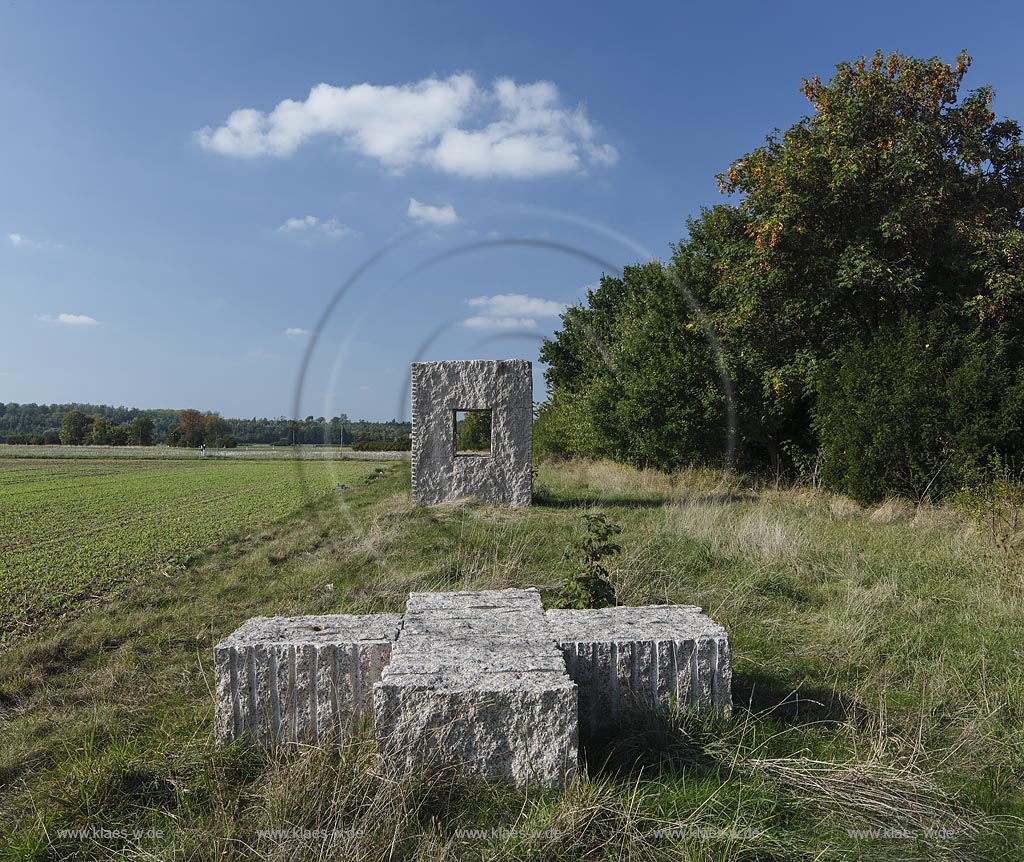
point(647, 656)
point(476, 682)
point(300, 679)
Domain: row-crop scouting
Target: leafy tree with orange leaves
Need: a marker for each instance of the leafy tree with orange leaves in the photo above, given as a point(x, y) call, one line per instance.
point(895, 199)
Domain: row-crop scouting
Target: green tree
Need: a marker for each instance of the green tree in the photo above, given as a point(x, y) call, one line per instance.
point(920, 411)
point(646, 389)
point(475, 431)
point(101, 431)
point(895, 197)
point(142, 431)
point(213, 429)
point(75, 428)
point(120, 435)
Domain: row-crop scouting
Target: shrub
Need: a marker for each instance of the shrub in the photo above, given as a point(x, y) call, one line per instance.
point(917, 411)
point(588, 586)
point(563, 428)
point(994, 503)
point(382, 445)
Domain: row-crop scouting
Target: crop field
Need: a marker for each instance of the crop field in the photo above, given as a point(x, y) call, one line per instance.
point(71, 529)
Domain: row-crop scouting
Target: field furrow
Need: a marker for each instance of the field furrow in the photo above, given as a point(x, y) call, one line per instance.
point(70, 530)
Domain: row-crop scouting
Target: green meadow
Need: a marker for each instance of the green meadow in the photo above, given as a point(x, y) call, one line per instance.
point(879, 687)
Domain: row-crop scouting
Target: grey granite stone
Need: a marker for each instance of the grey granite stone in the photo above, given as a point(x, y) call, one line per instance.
point(482, 681)
point(649, 656)
point(439, 389)
point(476, 682)
point(300, 678)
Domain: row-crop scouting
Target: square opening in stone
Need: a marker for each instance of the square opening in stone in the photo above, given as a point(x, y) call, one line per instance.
point(471, 430)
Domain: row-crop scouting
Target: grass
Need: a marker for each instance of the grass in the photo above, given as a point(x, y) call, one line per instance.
point(69, 530)
point(878, 683)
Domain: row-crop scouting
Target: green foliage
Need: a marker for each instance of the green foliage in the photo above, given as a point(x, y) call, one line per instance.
point(75, 428)
point(994, 503)
point(101, 432)
point(78, 428)
point(337, 431)
point(473, 432)
point(142, 431)
point(632, 377)
point(41, 419)
point(588, 586)
point(200, 429)
point(382, 445)
point(50, 438)
point(563, 427)
point(895, 198)
point(918, 410)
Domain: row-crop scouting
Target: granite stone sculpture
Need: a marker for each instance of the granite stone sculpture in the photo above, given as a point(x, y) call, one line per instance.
point(440, 391)
point(487, 682)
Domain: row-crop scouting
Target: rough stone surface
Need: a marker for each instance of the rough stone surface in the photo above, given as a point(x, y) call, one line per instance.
point(505, 387)
point(300, 678)
point(623, 657)
point(476, 682)
point(483, 681)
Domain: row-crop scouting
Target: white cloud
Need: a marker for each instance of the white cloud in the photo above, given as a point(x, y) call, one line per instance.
point(310, 227)
point(428, 214)
point(511, 311)
point(296, 332)
point(68, 319)
point(452, 125)
point(516, 304)
point(21, 241)
point(534, 135)
point(298, 223)
point(365, 388)
point(499, 322)
point(334, 229)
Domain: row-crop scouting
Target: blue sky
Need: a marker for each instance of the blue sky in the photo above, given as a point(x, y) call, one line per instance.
point(185, 186)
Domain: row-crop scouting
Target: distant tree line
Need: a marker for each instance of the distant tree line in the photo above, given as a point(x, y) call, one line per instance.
point(92, 424)
point(80, 429)
point(337, 431)
point(44, 420)
point(403, 445)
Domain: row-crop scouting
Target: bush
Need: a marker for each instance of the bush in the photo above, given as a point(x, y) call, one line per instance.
point(994, 504)
point(918, 411)
point(588, 586)
point(47, 439)
point(382, 445)
point(563, 428)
